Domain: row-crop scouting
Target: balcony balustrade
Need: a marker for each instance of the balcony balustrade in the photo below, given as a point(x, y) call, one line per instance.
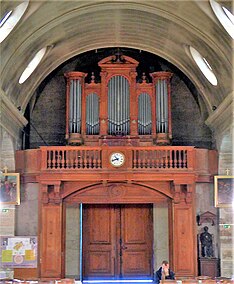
point(70, 158)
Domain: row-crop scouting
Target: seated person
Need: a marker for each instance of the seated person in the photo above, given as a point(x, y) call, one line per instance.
point(164, 272)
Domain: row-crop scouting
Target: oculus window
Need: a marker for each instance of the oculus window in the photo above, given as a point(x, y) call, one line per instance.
point(10, 19)
point(225, 17)
point(204, 66)
point(32, 65)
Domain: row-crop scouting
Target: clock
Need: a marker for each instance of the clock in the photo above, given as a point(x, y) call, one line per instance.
point(117, 159)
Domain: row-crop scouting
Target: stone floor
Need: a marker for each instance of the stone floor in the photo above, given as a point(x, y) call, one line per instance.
point(115, 281)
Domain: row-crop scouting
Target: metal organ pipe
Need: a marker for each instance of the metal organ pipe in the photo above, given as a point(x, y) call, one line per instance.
point(78, 116)
point(128, 108)
point(75, 106)
point(92, 114)
point(158, 112)
point(165, 105)
point(144, 114)
point(162, 106)
point(71, 108)
point(118, 106)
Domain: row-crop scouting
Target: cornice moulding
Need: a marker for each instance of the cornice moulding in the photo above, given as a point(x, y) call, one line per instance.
point(222, 118)
point(11, 119)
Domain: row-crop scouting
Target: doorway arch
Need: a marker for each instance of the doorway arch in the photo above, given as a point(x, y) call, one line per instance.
point(119, 199)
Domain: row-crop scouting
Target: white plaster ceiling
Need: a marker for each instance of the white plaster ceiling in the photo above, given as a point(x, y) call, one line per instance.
point(164, 28)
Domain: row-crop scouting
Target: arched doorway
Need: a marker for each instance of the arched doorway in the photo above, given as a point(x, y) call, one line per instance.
point(120, 235)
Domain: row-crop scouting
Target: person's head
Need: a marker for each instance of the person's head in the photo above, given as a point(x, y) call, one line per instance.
point(165, 264)
point(206, 228)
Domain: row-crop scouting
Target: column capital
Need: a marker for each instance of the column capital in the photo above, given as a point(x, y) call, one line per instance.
point(51, 192)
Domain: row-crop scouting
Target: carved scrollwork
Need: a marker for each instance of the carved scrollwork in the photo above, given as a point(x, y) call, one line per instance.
point(116, 190)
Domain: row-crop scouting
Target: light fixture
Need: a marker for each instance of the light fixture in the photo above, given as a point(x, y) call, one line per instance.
point(11, 18)
point(203, 65)
point(225, 17)
point(32, 65)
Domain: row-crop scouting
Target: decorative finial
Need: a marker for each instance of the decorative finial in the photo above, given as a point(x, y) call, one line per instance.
point(92, 78)
point(118, 57)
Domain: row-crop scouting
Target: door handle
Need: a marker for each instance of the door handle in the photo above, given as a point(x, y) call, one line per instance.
point(123, 247)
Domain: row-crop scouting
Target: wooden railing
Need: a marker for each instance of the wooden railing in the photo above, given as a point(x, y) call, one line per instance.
point(93, 158)
point(77, 158)
point(160, 158)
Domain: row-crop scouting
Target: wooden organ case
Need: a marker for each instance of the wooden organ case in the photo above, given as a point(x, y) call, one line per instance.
point(118, 111)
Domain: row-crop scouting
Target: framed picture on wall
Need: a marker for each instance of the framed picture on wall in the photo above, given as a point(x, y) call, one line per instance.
point(10, 188)
point(224, 191)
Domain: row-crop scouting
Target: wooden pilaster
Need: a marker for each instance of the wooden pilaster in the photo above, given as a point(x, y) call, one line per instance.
point(51, 231)
point(184, 242)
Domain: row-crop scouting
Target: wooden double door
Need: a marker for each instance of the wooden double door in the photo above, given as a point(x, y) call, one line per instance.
point(117, 241)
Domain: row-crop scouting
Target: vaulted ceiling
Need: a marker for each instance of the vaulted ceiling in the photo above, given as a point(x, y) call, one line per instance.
point(164, 28)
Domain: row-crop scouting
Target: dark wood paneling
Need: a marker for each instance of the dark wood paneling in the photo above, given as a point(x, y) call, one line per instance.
point(117, 241)
point(99, 241)
point(184, 248)
point(136, 232)
point(51, 244)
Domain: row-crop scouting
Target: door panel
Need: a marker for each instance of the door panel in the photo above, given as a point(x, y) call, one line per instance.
point(99, 238)
point(136, 231)
point(117, 241)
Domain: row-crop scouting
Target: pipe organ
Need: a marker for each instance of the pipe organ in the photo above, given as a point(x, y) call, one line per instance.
point(118, 108)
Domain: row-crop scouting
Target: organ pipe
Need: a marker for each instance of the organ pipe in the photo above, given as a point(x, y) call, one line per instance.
point(144, 114)
point(92, 114)
point(75, 106)
point(118, 106)
point(161, 81)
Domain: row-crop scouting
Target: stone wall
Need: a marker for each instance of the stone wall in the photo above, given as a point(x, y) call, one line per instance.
point(26, 223)
point(188, 127)
point(161, 234)
point(47, 125)
point(72, 258)
point(226, 233)
point(226, 215)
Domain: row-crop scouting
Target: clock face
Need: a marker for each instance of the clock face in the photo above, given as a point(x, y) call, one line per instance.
point(117, 159)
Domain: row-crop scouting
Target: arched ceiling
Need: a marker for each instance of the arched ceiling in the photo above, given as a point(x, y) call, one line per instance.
point(164, 28)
